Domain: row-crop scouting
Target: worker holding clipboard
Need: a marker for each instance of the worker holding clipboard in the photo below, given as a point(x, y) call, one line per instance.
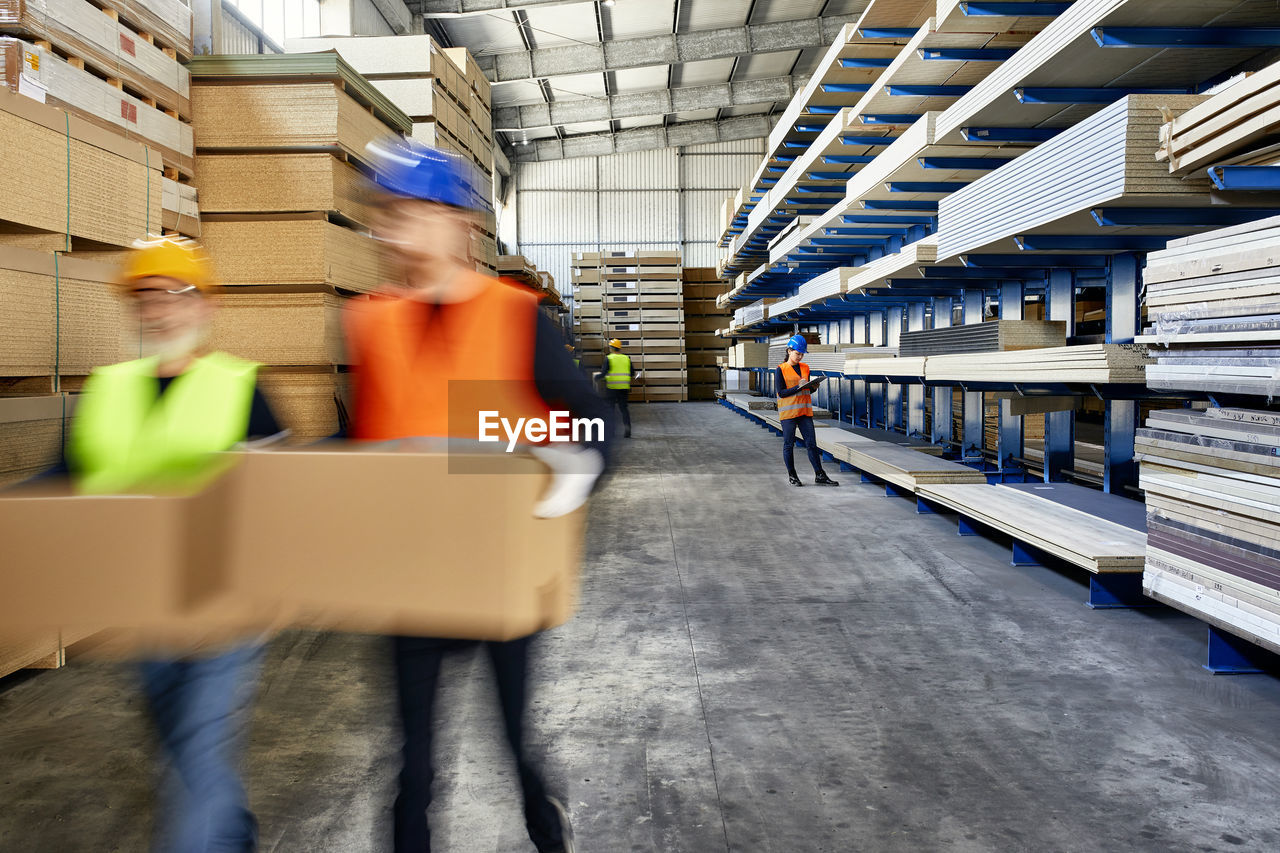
point(795, 410)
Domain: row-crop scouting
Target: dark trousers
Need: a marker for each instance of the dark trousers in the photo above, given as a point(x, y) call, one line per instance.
point(620, 400)
point(804, 423)
point(201, 712)
point(417, 662)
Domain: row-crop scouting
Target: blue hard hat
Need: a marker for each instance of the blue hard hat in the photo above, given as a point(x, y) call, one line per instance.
point(798, 343)
point(407, 168)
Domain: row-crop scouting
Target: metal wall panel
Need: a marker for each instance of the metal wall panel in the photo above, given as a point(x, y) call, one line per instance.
point(557, 260)
point(640, 170)
point(236, 37)
point(368, 21)
point(701, 212)
point(558, 217)
point(725, 172)
point(575, 173)
point(743, 146)
point(700, 254)
point(640, 217)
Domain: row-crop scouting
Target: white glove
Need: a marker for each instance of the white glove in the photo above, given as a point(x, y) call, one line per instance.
point(574, 471)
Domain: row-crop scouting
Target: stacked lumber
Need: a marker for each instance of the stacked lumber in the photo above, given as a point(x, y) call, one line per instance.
point(33, 650)
point(1212, 483)
point(32, 432)
point(286, 213)
point(1211, 302)
point(992, 336)
point(1088, 363)
point(778, 347)
point(37, 72)
point(1235, 126)
point(1088, 539)
point(643, 306)
point(703, 347)
point(441, 89)
point(749, 354)
point(863, 359)
point(876, 364)
point(902, 466)
point(588, 311)
point(845, 434)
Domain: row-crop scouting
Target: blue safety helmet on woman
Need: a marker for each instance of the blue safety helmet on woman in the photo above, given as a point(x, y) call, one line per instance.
point(407, 168)
point(798, 343)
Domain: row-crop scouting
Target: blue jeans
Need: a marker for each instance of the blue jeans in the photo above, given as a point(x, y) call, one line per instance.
point(201, 711)
point(805, 425)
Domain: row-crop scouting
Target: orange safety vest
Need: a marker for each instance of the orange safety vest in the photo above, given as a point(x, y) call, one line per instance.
point(429, 370)
point(798, 405)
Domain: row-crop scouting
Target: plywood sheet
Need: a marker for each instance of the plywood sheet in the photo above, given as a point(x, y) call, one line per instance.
point(284, 183)
point(293, 252)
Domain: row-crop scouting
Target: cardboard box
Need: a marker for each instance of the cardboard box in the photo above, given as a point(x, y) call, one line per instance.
point(586, 275)
point(450, 547)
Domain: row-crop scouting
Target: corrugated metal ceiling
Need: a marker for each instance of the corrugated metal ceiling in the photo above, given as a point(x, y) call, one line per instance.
point(582, 23)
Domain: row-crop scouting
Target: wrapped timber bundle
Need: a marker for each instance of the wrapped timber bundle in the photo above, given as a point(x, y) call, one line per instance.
point(1211, 303)
point(1212, 483)
point(1237, 126)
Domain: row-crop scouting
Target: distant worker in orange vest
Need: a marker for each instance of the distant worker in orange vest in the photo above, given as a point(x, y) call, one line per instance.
point(426, 365)
point(795, 410)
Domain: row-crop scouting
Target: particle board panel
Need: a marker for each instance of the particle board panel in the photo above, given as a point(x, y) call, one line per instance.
point(265, 116)
point(286, 328)
point(846, 434)
point(63, 319)
point(38, 73)
point(1114, 508)
point(1228, 122)
point(1213, 606)
point(1104, 363)
point(308, 403)
point(113, 193)
point(294, 252)
point(903, 466)
point(284, 183)
point(180, 208)
point(170, 21)
point(993, 336)
point(32, 431)
point(1081, 538)
point(19, 650)
point(382, 56)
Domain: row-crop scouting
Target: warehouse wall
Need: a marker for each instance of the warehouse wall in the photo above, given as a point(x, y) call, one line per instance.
point(664, 199)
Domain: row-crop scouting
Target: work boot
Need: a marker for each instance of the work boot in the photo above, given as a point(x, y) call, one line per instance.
point(794, 480)
point(566, 829)
point(821, 479)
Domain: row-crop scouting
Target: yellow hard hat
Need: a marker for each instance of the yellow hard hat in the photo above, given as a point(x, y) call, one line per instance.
point(170, 257)
point(615, 343)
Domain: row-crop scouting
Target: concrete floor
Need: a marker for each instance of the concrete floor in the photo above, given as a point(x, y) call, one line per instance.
point(754, 668)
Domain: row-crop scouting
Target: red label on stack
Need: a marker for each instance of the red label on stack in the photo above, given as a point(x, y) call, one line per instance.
point(126, 44)
point(128, 111)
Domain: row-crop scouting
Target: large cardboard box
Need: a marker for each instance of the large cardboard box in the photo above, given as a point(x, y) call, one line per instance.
point(449, 546)
point(438, 544)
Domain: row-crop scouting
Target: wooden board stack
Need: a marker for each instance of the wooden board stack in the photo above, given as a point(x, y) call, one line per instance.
point(749, 354)
point(1087, 363)
point(286, 217)
point(643, 307)
point(441, 88)
point(1085, 539)
point(1211, 302)
point(1235, 126)
point(519, 269)
point(993, 336)
point(902, 466)
point(702, 317)
point(1212, 483)
point(588, 311)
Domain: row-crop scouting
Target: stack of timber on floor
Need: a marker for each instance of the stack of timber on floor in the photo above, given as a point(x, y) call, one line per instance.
point(286, 217)
point(845, 434)
point(703, 316)
point(1070, 522)
point(1087, 363)
point(441, 89)
point(643, 307)
point(1211, 301)
point(1237, 126)
point(904, 467)
point(1212, 484)
point(992, 336)
point(588, 311)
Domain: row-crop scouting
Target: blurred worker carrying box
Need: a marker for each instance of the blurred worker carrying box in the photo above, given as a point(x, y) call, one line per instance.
point(379, 540)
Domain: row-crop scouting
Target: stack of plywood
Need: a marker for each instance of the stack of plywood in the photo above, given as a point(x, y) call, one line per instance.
point(286, 215)
point(749, 354)
point(520, 269)
point(702, 317)
point(32, 434)
point(643, 307)
point(993, 336)
point(442, 89)
point(588, 309)
point(1211, 302)
point(1089, 363)
point(1212, 484)
point(1236, 126)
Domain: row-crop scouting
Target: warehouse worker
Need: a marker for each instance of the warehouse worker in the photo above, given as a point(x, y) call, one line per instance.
point(577, 360)
point(618, 375)
point(421, 353)
point(795, 410)
point(157, 423)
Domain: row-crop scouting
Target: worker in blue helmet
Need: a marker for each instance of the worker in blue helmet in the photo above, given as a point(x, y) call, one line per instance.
point(795, 410)
point(453, 340)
